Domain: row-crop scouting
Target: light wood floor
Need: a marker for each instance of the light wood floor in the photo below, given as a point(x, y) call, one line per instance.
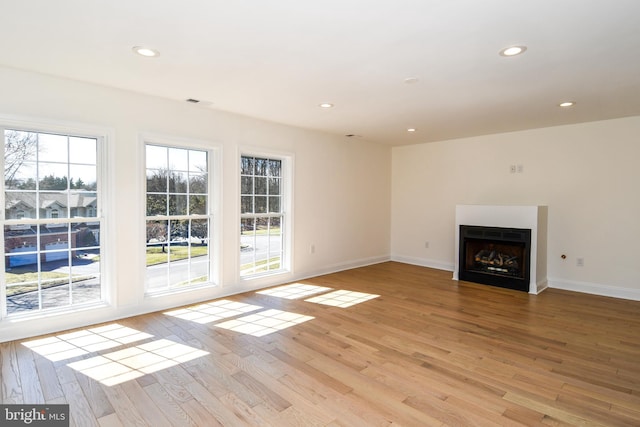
point(427, 351)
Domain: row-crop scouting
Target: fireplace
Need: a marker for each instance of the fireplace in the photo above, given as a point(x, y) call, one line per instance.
point(507, 231)
point(495, 256)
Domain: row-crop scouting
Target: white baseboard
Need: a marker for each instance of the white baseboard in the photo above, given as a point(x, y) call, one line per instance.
point(595, 288)
point(422, 262)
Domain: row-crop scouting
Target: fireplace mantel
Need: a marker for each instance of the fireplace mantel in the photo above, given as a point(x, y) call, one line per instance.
point(527, 217)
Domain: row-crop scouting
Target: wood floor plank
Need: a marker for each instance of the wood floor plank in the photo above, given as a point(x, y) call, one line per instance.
point(166, 406)
point(11, 391)
point(48, 378)
point(144, 405)
point(30, 382)
point(80, 412)
point(426, 351)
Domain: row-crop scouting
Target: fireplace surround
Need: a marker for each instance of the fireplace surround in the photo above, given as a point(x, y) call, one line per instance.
point(501, 223)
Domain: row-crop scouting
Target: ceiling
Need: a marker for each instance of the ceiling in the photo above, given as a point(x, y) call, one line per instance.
point(278, 60)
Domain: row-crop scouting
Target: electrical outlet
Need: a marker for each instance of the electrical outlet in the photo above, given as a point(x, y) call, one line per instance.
point(520, 168)
point(580, 262)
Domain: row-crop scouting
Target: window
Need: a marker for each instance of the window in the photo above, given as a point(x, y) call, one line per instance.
point(178, 221)
point(51, 258)
point(262, 216)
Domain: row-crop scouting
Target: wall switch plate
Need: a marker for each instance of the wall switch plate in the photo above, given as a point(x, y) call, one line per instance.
point(512, 168)
point(580, 262)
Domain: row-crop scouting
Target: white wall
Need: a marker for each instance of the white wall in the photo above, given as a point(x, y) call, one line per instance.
point(587, 174)
point(342, 187)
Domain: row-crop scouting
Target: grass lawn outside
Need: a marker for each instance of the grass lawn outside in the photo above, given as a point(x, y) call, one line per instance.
point(175, 253)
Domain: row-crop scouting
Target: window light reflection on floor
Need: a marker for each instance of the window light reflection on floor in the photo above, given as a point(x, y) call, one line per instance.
point(294, 291)
point(264, 323)
point(78, 343)
point(133, 362)
point(342, 298)
point(213, 311)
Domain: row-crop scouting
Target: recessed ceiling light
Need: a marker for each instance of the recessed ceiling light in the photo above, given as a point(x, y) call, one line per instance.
point(411, 130)
point(567, 104)
point(411, 80)
point(513, 50)
point(326, 105)
point(145, 51)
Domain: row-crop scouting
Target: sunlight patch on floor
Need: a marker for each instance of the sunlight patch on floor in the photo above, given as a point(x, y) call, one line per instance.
point(342, 298)
point(294, 291)
point(264, 323)
point(78, 343)
point(212, 311)
point(134, 362)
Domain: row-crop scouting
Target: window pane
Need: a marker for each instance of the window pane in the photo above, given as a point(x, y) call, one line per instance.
point(84, 204)
point(247, 226)
point(21, 242)
point(53, 148)
point(274, 204)
point(247, 165)
point(54, 204)
point(246, 183)
point(179, 231)
point(178, 182)
point(20, 203)
point(20, 178)
point(200, 232)
point(261, 167)
point(82, 150)
point(275, 167)
point(274, 186)
point(22, 284)
point(198, 183)
point(83, 177)
point(246, 204)
point(177, 204)
point(197, 205)
point(198, 161)
point(52, 176)
point(87, 238)
point(178, 159)
point(261, 204)
point(85, 277)
point(156, 181)
point(157, 232)
point(156, 157)
point(261, 186)
point(156, 204)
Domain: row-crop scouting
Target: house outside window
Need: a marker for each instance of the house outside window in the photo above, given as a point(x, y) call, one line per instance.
point(51, 259)
point(178, 218)
point(264, 215)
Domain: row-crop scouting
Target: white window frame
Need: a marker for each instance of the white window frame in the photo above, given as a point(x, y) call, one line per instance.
point(104, 153)
point(286, 262)
point(214, 191)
